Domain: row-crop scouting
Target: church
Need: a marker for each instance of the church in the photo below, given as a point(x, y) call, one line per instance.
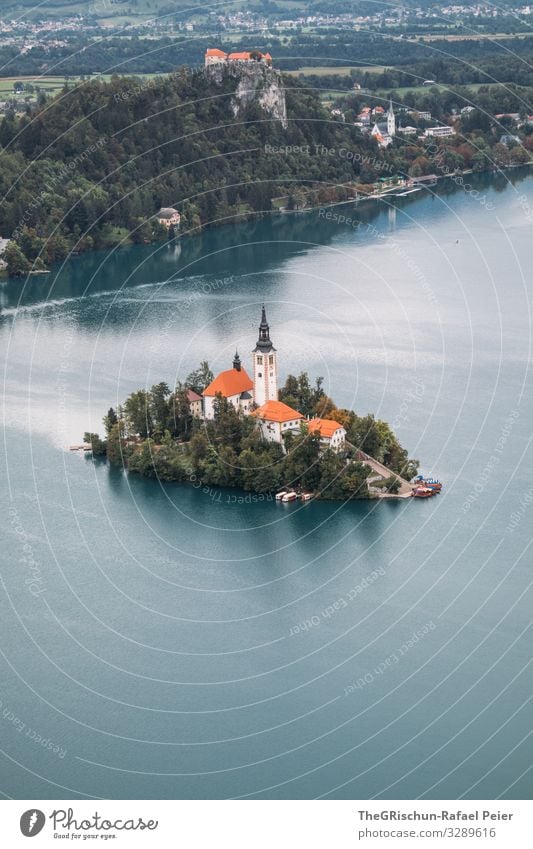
point(257, 396)
point(384, 132)
point(235, 384)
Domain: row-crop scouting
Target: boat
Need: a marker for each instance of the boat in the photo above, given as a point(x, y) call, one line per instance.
point(429, 483)
point(423, 492)
point(290, 496)
point(279, 495)
point(306, 496)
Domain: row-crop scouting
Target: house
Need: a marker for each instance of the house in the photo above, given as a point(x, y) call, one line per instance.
point(420, 116)
point(275, 419)
point(235, 385)
point(512, 116)
point(439, 132)
point(195, 404)
point(169, 217)
point(332, 434)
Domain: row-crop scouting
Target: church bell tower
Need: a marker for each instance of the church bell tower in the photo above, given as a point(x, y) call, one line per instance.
point(265, 366)
point(391, 121)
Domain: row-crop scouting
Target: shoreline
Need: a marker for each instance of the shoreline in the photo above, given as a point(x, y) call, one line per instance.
point(240, 218)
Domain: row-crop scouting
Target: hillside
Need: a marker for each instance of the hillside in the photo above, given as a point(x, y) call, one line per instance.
point(91, 167)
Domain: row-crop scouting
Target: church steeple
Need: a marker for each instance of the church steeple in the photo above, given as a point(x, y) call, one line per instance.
point(263, 343)
point(391, 121)
point(237, 361)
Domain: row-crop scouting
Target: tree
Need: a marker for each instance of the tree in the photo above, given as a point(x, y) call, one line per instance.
point(109, 420)
point(16, 262)
point(97, 445)
point(117, 450)
point(200, 378)
point(138, 414)
point(159, 407)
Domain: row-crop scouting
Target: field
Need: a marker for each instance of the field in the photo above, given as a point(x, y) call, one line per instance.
point(52, 85)
point(327, 71)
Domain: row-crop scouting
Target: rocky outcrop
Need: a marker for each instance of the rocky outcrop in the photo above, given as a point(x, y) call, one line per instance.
point(256, 83)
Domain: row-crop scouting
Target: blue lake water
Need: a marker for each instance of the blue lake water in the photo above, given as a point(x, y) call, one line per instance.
point(166, 642)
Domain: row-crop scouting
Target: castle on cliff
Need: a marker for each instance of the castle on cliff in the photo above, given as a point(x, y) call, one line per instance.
point(214, 56)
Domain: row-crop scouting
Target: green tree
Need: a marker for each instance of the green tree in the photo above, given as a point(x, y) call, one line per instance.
point(200, 378)
point(138, 413)
point(16, 262)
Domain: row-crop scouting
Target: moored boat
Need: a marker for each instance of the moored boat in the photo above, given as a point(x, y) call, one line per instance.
point(306, 496)
point(429, 483)
point(423, 492)
point(290, 496)
point(279, 495)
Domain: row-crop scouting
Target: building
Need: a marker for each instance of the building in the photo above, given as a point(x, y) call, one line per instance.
point(213, 56)
point(169, 217)
point(265, 366)
point(195, 404)
point(384, 131)
point(420, 116)
point(332, 434)
point(235, 385)
point(275, 419)
point(439, 132)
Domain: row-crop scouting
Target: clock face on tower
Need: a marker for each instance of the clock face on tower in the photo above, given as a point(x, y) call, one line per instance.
point(265, 367)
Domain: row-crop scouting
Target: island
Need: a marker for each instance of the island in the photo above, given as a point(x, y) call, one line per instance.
point(240, 430)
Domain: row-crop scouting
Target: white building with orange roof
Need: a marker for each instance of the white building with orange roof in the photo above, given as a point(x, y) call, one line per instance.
point(235, 385)
point(214, 56)
point(332, 434)
point(275, 419)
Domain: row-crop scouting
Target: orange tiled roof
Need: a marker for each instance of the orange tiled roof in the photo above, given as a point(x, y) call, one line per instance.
point(277, 411)
point(239, 56)
point(214, 51)
point(231, 382)
point(326, 427)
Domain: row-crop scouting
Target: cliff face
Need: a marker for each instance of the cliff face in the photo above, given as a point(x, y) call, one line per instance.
point(256, 83)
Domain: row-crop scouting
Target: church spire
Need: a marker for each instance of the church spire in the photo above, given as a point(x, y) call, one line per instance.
point(237, 361)
point(263, 343)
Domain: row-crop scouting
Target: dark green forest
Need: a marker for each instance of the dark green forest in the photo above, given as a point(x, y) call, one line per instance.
point(91, 168)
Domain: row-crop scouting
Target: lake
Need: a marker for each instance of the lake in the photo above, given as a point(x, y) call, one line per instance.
point(161, 641)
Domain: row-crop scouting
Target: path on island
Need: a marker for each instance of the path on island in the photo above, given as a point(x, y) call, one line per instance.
point(406, 489)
